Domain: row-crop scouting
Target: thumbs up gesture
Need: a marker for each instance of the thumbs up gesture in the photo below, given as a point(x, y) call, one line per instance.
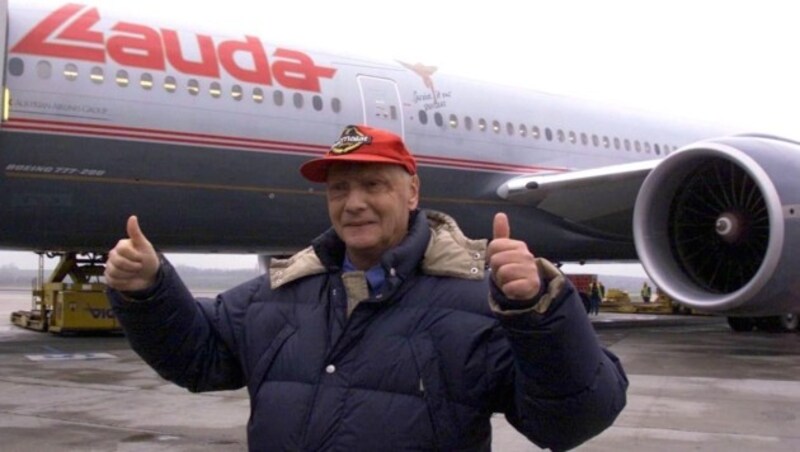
point(513, 267)
point(133, 263)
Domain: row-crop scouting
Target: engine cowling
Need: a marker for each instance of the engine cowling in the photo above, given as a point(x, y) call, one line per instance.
point(717, 225)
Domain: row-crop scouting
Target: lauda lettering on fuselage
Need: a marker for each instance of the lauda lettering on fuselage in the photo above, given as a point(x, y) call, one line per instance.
point(67, 33)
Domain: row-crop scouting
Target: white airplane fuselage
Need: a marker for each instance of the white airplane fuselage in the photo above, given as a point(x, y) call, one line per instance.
point(201, 136)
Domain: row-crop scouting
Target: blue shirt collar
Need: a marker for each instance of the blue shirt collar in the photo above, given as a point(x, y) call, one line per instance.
point(375, 275)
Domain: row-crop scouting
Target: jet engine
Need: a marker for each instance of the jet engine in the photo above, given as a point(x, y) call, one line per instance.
point(717, 225)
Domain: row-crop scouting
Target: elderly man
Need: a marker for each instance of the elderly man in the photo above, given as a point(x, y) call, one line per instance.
point(392, 331)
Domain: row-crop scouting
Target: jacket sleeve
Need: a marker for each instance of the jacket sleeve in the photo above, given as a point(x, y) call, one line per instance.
point(567, 388)
point(189, 342)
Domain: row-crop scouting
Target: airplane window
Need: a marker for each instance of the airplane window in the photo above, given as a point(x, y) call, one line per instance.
point(170, 85)
point(16, 66)
point(523, 130)
point(336, 105)
point(393, 112)
point(496, 126)
point(627, 143)
point(647, 147)
point(316, 101)
point(548, 134)
point(277, 97)
point(560, 135)
point(595, 141)
point(572, 137)
point(637, 146)
point(437, 118)
point(468, 122)
point(482, 124)
point(510, 128)
point(258, 95)
point(535, 132)
point(606, 143)
point(122, 78)
point(97, 75)
point(423, 117)
point(146, 81)
point(584, 139)
point(236, 92)
point(616, 143)
point(297, 100)
point(193, 86)
point(43, 69)
point(70, 72)
point(215, 90)
point(453, 121)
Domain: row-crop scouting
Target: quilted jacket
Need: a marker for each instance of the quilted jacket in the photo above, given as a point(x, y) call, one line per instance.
point(421, 364)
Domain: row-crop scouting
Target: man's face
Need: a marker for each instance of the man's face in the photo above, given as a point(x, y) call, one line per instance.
point(369, 206)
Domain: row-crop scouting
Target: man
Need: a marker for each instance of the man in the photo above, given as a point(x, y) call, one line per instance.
point(595, 298)
point(646, 293)
point(387, 333)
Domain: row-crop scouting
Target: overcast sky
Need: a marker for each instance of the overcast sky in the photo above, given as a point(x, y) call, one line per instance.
point(729, 62)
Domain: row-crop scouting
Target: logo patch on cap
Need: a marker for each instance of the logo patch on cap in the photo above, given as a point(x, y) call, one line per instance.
point(350, 140)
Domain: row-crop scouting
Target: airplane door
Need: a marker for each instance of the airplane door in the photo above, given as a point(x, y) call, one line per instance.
point(382, 106)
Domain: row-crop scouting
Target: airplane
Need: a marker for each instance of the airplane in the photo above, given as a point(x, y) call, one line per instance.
point(201, 135)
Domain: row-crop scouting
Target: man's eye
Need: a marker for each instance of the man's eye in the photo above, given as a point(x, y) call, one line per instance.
point(373, 185)
point(336, 190)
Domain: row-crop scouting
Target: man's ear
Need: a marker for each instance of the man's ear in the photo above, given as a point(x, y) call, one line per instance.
point(413, 200)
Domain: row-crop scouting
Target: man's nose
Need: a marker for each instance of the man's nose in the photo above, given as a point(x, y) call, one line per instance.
point(356, 200)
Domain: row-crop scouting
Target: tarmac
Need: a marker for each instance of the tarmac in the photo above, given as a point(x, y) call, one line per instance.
point(694, 385)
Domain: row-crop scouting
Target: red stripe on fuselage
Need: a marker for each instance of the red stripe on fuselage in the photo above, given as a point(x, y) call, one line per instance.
point(250, 144)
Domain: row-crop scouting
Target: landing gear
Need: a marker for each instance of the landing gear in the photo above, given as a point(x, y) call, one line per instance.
point(783, 323)
point(777, 324)
point(741, 324)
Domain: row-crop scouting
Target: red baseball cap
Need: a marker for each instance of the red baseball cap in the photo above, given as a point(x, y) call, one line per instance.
point(361, 144)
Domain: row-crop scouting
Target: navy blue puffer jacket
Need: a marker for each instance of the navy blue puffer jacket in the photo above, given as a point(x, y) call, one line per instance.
point(421, 365)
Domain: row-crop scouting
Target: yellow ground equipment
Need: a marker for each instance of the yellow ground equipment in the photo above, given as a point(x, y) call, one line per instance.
point(61, 307)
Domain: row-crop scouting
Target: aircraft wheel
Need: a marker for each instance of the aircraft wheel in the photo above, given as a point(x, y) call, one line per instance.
point(779, 323)
point(787, 322)
point(741, 324)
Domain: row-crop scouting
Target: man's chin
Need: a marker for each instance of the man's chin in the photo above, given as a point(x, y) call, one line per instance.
point(360, 245)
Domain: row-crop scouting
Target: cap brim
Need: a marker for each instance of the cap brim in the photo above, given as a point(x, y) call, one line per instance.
point(317, 170)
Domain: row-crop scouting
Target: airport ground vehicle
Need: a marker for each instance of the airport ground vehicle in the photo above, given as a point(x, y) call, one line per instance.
point(71, 300)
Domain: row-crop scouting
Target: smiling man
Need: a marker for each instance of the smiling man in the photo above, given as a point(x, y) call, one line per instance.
point(369, 207)
point(392, 331)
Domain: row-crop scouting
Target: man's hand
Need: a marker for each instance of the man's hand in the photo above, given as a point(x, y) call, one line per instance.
point(513, 267)
point(133, 263)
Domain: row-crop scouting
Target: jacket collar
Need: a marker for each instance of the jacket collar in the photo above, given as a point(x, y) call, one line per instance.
point(434, 243)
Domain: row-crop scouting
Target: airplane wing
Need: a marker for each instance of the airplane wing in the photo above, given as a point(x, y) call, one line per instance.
point(598, 198)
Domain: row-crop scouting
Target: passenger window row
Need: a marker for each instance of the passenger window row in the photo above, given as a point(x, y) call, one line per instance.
point(481, 125)
point(194, 87)
point(170, 84)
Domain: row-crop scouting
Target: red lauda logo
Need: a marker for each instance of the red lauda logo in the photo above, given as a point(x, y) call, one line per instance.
point(67, 33)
